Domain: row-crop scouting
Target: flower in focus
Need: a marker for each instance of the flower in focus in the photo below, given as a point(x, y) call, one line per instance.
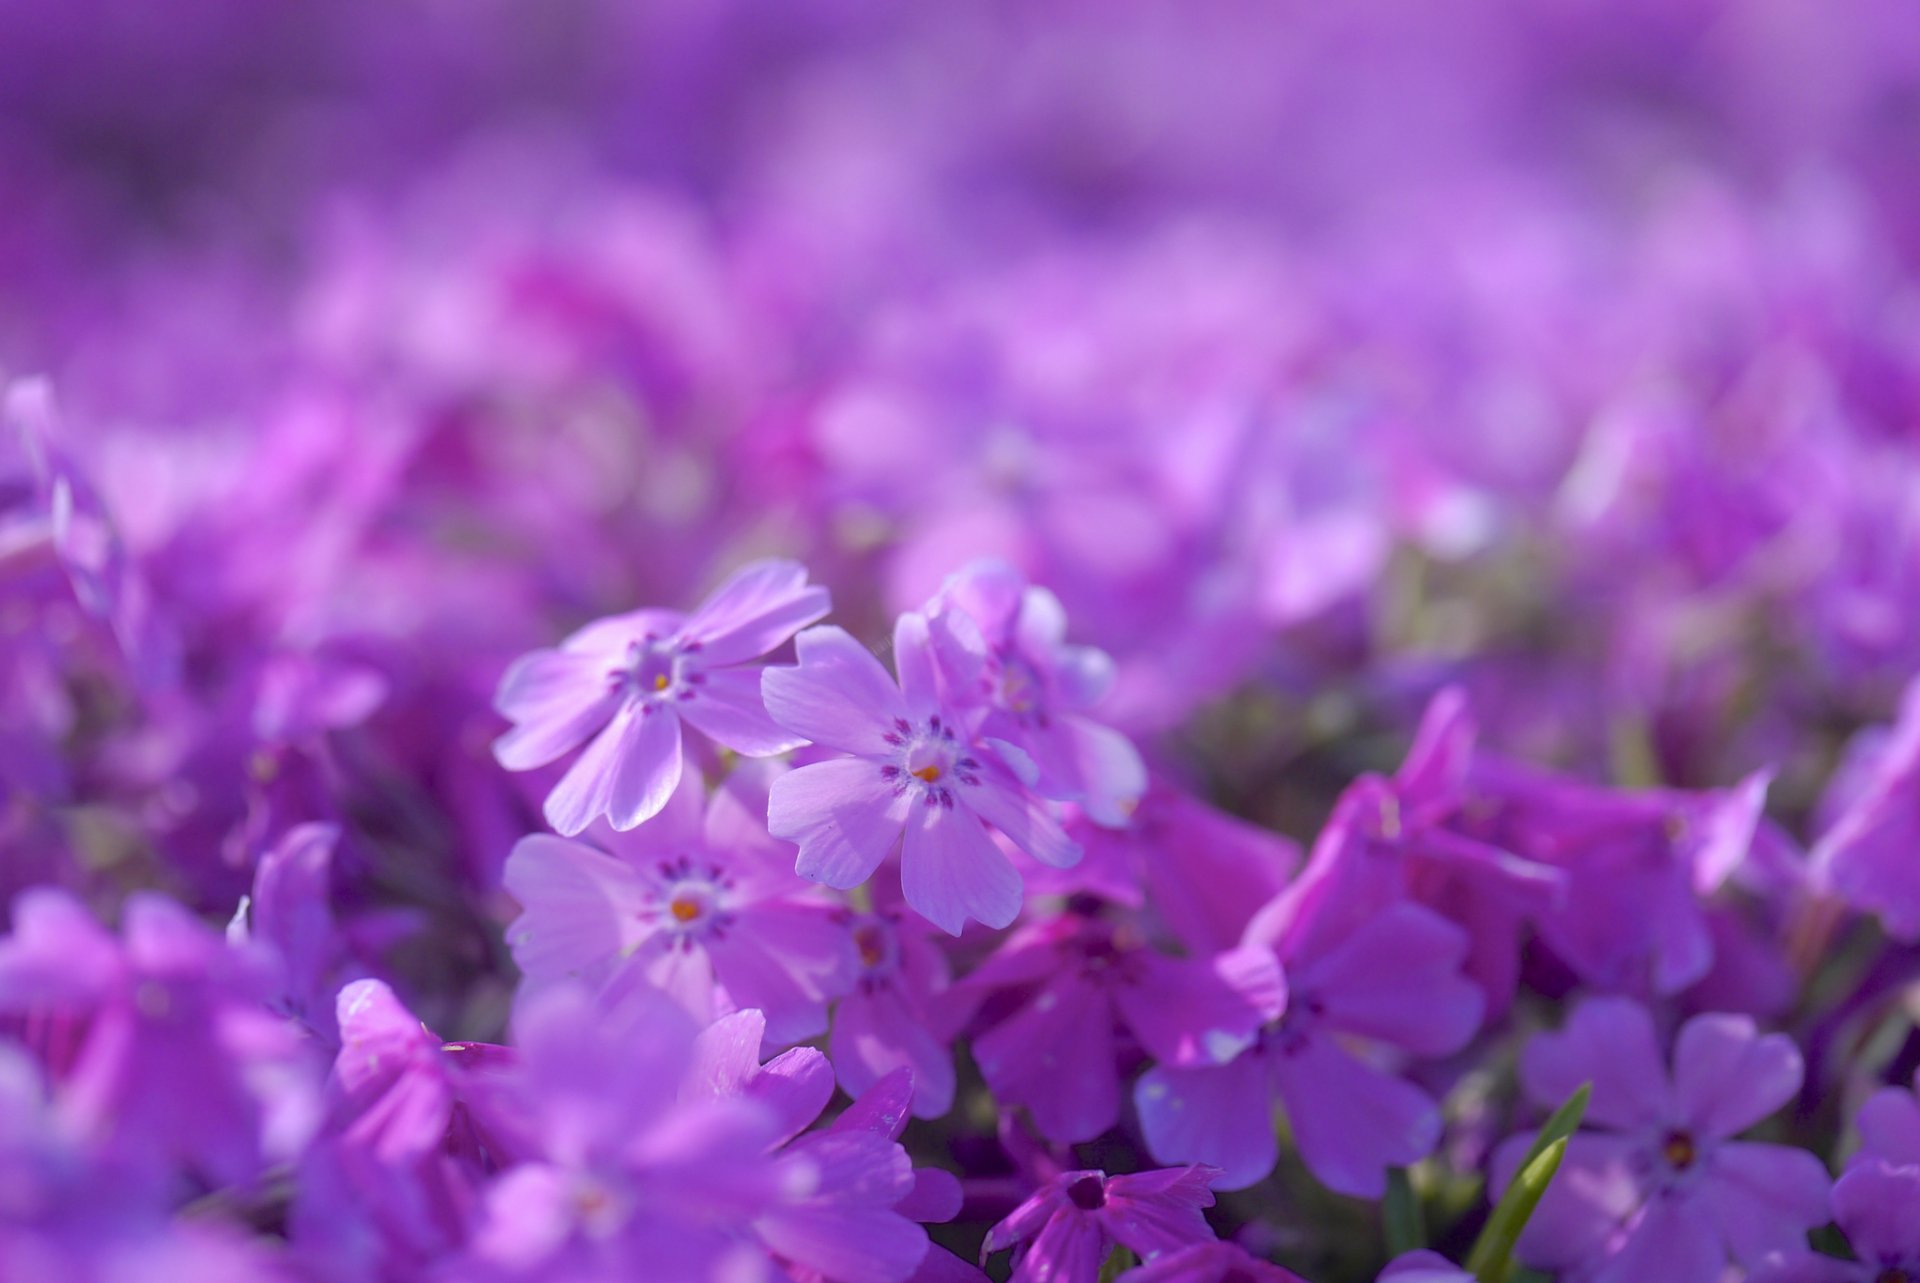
point(700, 902)
point(622, 686)
point(910, 764)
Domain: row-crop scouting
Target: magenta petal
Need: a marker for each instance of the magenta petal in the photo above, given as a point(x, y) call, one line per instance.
point(1202, 1011)
point(1889, 1124)
point(936, 1196)
point(1610, 1042)
point(1875, 1204)
point(1056, 1056)
point(1352, 1121)
point(576, 907)
point(759, 607)
point(556, 700)
point(950, 871)
point(874, 1035)
point(1673, 1243)
point(1155, 1212)
point(648, 769)
point(1222, 1117)
point(1726, 1077)
point(1765, 1198)
point(726, 707)
point(838, 695)
point(842, 814)
point(1397, 978)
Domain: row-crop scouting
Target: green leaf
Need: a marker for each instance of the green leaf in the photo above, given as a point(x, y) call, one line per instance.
point(1491, 1260)
point(1405, 1229)
point(1492, 1255)
point(1118, 1262)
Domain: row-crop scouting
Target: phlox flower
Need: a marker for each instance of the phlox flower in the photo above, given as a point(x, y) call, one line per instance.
point(1658, 1189)
point(700, 903)
point(1001, 643)
point(884, 1022)
point(1877, 1206)
point(1357, 999)
point(1066, 1228)
point(1084, 993)
point(622, 686)
point(912, 771)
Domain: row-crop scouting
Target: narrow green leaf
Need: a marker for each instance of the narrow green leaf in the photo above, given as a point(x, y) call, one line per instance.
point(1563, 1122)
point(1405, 1229)
point(1118, 1262)
point(1492, 1255)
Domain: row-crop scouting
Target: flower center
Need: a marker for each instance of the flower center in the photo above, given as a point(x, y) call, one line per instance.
point(871, 940)
point(1892, 1274)
point(657, 670)
point(684, 908)
point(1089, 1193)
point(688, 901)
point(1679, 1150)
point(929, 759)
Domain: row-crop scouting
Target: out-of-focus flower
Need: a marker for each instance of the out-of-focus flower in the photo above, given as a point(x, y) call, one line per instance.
point(1659, 1187)
point(1873, 1203)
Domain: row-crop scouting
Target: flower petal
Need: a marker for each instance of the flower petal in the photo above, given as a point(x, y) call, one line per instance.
point(838, 695)
point(842, 814)
point(727, 708)
point(761, 606)
point(950, 870)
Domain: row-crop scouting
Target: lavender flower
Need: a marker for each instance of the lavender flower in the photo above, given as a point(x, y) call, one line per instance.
point(622, 685)
point(1661, 1188)
point(1065, 1230)
point(910, 765)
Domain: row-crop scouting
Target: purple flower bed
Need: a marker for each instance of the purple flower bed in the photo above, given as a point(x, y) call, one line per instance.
point(731, 642)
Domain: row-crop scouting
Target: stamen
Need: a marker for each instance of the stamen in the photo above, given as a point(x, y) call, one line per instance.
point(660, 681)
point(928, 773)
point(1679, 1151)
point(684, 909)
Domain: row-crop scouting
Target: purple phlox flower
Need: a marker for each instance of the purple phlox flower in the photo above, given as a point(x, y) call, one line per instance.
point(1638, 867)
point(1072, 999)
point(290, 912)
point(69, 1210)
point(851, 1196)
point(1889, 1124)
point(1361, 998)
point(1066, 1229)
point(1402, 838)
point(701, 902)
point(415, 1131)
point(624, 1175)
point(1877, 1206)
point(1657, 1188)
point(1001, 643)
point(1423, 1266)
point(71, 514)
point(883, 1023)
point(1201, 872)
point(622, 685)
point(1866, 852)
point(912, 765)
point(160, 1041)
point(1214, 1262)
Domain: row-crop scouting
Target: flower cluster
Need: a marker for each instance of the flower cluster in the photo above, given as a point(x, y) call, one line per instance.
point(1177, 641)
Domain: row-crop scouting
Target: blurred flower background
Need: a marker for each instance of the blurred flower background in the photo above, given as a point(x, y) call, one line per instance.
point(1317, 356)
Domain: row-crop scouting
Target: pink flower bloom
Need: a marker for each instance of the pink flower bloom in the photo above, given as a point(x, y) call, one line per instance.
point(911, 765)
point(622, 685)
